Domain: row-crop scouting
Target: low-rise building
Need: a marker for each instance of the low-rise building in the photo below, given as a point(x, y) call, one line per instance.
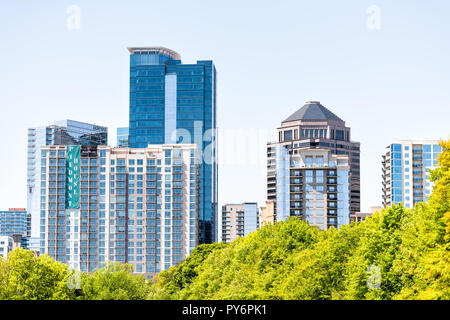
point(6, 246)
point(361, 216)
point(15, 221)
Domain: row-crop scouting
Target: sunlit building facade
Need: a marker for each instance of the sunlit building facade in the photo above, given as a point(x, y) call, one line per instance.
point(238, 220)
point(64, 132)
point(314, 185)
point(137, 206)
point(313, 170)
point(6, 246)
point(406, 166)
point(15, 221)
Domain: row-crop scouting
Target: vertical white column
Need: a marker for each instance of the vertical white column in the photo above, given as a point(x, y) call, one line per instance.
point(170, 101)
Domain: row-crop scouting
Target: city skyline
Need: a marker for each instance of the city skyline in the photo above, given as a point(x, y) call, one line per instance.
point(370, 123)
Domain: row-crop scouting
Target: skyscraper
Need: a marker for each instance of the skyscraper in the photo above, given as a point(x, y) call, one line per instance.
point(313, 169)
point(171, 102)
point(406, 171)
point(137, 206)
point(64, 132)
point(314, 126)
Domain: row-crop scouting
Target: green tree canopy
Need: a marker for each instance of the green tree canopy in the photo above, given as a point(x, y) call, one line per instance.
point(26, 277)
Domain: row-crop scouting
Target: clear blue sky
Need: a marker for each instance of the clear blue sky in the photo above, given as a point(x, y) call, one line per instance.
point(271, 57)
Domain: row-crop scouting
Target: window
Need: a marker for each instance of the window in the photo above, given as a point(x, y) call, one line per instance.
point(319, 161)
point(288, 135)
point(339, 135)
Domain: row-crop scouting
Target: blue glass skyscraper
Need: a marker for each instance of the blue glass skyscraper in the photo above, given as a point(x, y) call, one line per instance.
point(171, 102)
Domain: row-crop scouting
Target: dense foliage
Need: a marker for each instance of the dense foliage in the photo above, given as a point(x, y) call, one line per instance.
point(397, 253)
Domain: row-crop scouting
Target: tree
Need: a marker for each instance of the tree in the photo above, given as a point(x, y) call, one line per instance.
point(114, 282)
point(398, 253)
point(26, 277)
point(177, 278)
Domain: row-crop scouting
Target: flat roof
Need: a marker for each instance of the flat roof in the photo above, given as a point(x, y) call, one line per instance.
point(158, 50)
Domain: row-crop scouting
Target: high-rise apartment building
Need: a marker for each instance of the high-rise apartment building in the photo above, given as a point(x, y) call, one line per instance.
point(122, 137)
point(238, 220)
point(137, 206)
point(406, 171)
point(315, 127)
point(172, 102)
point(64, 132)
point(15, 221)
point(313, 169)
point(312, 184)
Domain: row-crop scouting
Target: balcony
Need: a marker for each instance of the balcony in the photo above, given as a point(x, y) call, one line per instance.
point(332, 205)
point(296, 173)
point(332, 181)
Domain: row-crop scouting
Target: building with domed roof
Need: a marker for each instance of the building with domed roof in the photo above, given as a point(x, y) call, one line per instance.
point(314, 133)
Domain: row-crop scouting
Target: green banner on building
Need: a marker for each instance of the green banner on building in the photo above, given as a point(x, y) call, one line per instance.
point(73, 177)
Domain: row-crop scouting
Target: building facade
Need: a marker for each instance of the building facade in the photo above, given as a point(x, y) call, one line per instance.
point(267, 214)
point(64, 132)
point(313, 168)
point(122, 137)
point(15, 221)
point(34, 244)
point(171, 102)
point(311, 127)
point(238, 220)
point(361, 216)
point(137, 206)
point(6, 246)
point(406, 166)
point(314, 185)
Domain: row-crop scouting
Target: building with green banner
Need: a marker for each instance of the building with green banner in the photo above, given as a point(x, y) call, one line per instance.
point(137, 206)
point(73, 177)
